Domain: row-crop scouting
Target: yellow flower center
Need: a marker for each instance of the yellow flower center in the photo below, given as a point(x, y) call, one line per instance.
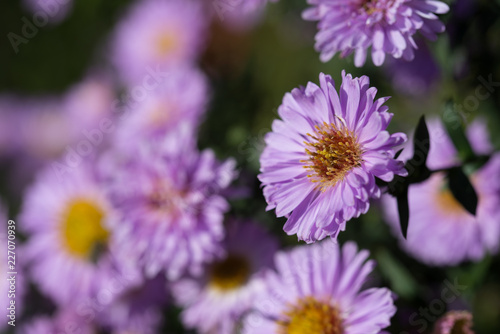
point(332, 154)
point(230, 273)
point(166, 43)
point(312, 317)
point(82, 228)
point(448, 203)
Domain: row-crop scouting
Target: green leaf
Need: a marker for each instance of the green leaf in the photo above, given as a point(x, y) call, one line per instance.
point(462, 189)
point(478, 163)
point(455, 128)
point(404, 211)
point(401, 280)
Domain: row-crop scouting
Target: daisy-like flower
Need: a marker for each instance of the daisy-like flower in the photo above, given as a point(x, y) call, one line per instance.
point(321, 160)
point(159, 34)
point(318, 289)
point(179, 98)
point(216, 301)
point(387, 26)
point(440, 230)
point(171, 197)
point(454, 322)
point(70, 247)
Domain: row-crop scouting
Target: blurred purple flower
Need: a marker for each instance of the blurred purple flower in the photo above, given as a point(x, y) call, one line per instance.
point(64, 321)
point(170, 195)
point(70, 251)
point(416, 78)
point(318, 289)
point(158, 34)
point(55, 11)
point(137, 309)
point(90, 102)
point(239, 14)
point(459, 322)
point(215, 302)
point(43, 127)
point(321, 160)
point(387, 26)
point(441, 231)
point(181, 98)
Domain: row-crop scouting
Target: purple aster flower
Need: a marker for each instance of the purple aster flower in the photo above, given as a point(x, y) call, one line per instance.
point(441, 231)
point(321, 160)
point(171, 197)
point(54, 11)
point(454, 322)
point(387, 26)
point(318, 289)
point(137, 309)
point(239, 14)
point(215, 302)
point(159, 34)
point(70, 250)
point(181, 97)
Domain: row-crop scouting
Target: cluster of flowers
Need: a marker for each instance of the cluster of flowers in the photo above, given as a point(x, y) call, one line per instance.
point(132, 217)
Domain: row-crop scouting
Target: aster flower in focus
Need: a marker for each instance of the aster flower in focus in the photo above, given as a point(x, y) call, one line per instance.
point(387, 26)
point(67, 222)
point(215, 302)
point(171, 197)
point(320, 162)
point(454, 322)
point(157, 36)
point(441, 231)
point(318, 289)
point(178, 99)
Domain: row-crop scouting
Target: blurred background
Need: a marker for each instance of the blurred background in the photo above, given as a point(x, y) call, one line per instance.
point(65, 65)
